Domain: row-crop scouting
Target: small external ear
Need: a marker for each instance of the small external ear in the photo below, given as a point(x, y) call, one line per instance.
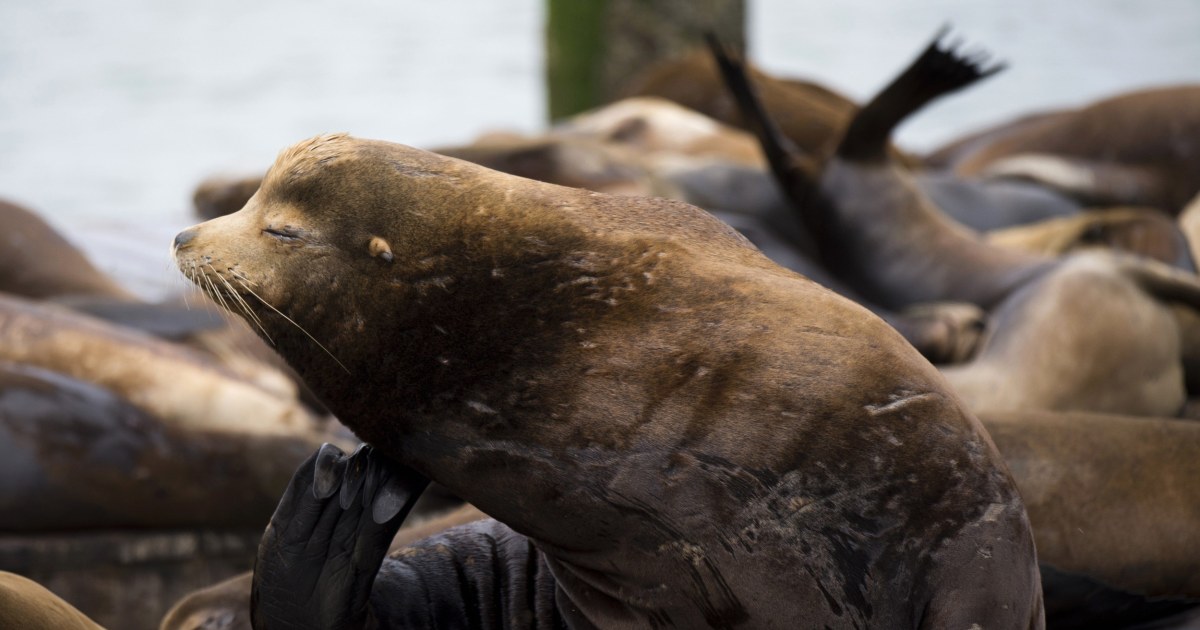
point(379, 248)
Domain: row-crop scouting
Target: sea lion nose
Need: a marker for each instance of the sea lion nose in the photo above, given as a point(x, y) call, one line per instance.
point(184, 237)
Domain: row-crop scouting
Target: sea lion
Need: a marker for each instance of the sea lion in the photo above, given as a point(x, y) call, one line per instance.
point(27, 605)
point(1127, 149)
point(37, 262)
point(220, 195)
point(991, 204)
point(74, 456)
point(687, 432)
point(1145, 232)
point(810, 114)
point(1115, 511)
point(179, 386)
point(1112, 497)
point(877, 231)
point(748, 200)
point(578, 162)
point(659, 126)
point(1124, 351)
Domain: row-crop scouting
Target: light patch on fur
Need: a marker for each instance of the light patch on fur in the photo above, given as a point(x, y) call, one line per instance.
point(1047, 169)
point(305, 157)
point(673, 125)
point(480, 407)
point(380, 249)
point(993, 512)
point(897, 402)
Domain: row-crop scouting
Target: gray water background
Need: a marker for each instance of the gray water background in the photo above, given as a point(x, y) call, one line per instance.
point(111, 112)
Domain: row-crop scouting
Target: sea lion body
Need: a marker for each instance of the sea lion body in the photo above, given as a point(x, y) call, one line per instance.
point(1097, 333)
point(1129, 149)
point(37, 262)
point(1142, 231)
point(74, 456)
point(27, 605)
point(688, 433)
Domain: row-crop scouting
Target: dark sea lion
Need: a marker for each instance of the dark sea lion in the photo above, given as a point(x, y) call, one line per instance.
point(1145, 232)
point(878, 232)
point(1129, 149)
point(992, 204)
point(687, 432)
point(27, 605)
point(74, 456)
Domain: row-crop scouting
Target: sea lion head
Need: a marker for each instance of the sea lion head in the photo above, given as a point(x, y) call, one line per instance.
point(343, 243)
point(375, 266)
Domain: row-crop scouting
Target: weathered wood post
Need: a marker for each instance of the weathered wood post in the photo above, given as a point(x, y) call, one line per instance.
point(594, 46)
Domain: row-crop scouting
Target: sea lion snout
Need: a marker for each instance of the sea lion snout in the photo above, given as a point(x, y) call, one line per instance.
point(185, 237)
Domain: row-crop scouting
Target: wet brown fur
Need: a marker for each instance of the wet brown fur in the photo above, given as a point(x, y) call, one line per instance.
point(27, 605)
point(631, 384)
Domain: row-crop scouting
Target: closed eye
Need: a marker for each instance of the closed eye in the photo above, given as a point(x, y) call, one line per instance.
point(285, 234)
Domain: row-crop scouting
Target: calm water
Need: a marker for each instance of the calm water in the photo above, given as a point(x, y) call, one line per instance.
point(111, 112)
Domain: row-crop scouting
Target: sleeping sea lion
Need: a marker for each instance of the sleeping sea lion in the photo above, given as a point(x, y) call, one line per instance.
point(1132, 149)
point(667, 427)
point(27, 605)
point(1144, 232)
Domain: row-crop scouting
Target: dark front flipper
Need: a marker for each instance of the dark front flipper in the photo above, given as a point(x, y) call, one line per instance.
point(322, 549)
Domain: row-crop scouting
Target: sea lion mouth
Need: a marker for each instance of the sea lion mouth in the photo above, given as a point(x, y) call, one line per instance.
point(224, 284)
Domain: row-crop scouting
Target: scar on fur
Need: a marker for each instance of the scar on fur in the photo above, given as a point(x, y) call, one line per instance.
point(380, 249)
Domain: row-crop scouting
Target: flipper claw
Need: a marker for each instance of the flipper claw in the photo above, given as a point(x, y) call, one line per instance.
point(330, 466)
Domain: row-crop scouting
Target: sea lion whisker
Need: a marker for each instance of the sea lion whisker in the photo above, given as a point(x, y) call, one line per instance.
point(236, 297)
point(249, 311)
point(298, 327)
point(216, 292)
point(229, 313)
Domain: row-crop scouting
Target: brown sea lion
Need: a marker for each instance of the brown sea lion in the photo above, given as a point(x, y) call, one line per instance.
point(687, 432)
point(179, 386)
point(659, 126)
point(578, 162)
point(1129, 149)
point(1145, 232)
point(1098, 333)
point(1112, 497)
point(220, 195)
point(27, 605)
point(74, 456)
point(1115, 512)
point(37, 262)
point(812, 115)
